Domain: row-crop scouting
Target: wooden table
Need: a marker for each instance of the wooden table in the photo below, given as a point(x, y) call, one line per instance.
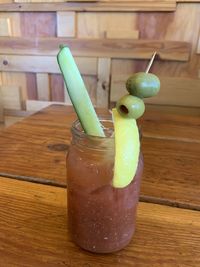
point(33, 229)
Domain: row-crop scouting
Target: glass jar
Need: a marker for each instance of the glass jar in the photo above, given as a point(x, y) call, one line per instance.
point(101, 218)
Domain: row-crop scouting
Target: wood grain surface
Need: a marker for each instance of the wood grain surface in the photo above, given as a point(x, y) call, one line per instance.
point(33, 232)
point(114, 6)
point(171, 172)
point(174, 34)
point(35, 150)
point(169, 125)
point(129, 48)
point(57, 87)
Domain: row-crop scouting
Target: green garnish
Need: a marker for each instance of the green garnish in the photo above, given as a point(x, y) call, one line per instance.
point(78, 93)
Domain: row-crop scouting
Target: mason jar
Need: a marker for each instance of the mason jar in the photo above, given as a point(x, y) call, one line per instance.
point(101, 218)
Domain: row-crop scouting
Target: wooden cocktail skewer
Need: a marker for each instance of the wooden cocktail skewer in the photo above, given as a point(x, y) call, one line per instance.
point(150, 62)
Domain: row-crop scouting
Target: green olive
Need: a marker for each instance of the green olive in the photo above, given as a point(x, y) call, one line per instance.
point(130, 106)
point(143, 84)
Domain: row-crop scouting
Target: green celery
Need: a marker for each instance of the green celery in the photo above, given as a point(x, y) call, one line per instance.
point(78, 93)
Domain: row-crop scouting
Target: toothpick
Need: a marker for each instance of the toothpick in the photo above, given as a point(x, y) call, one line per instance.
point(150, 62)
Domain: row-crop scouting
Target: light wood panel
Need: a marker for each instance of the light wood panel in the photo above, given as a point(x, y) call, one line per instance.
point(31, 86)
point(11, 23)
point(45, 64)
point(15, 80)
point(30, 24)
point(5, 27)
point(149, 26)
point(188, 32)
point(167, 5)
point(178, 91)
point(123, 34)
point(103, 85)
point(130, 49)
point(57, 87)
point(155, 29)
point(11, 97)
point(43, 88)
point(180, 80)
point(66, 24)
point(87, 65)
point(38, 24)
point(14, 83)
point(96, 25)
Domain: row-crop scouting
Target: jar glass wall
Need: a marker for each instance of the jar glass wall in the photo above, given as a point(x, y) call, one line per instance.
point(101, 218)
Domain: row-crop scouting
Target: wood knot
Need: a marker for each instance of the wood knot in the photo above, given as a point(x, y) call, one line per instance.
point(5, 62)
point(58, 147)
point(104, 85)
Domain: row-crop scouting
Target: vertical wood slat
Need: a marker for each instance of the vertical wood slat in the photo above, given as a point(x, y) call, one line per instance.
point(9, 79)
point(43, 86)
point(11, 97)
point(5, 27)
point(5, 30)
point(198, 45)
point(103, 84)
point(38, 24)
point(57, 87)
point(13, 81)
point(66, 24)
point(31, 85)
point(95, 25)
point(10, 23)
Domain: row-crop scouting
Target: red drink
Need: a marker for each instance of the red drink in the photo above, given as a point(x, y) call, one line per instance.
point(101, 218)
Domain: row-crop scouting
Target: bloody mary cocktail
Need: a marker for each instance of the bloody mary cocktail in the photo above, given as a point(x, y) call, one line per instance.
point(101, 218)
point(104, 167)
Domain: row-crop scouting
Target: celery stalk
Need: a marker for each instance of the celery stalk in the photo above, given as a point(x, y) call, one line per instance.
point(78, 93)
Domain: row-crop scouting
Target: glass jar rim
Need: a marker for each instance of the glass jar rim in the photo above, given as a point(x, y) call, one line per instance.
point(77, 131)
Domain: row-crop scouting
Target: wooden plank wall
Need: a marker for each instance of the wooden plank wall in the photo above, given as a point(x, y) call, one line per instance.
point(108, 47)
